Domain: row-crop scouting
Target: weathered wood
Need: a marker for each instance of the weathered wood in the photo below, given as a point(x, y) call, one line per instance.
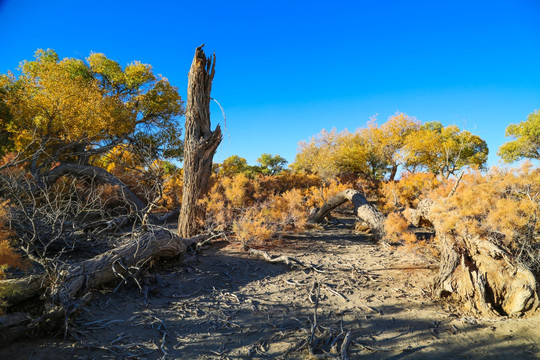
point(362, 208)
point(94, 173)
point(200, 142)
point(74, 281)
point(23, 288)
point(103, 268)
point(481, 274)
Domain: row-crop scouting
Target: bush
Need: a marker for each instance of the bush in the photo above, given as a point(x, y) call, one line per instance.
point(408, 191)
point(502, 206)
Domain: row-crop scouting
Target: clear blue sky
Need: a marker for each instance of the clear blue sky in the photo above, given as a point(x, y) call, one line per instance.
point(287, 69)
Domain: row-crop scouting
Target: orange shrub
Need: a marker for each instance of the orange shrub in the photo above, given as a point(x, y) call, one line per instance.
point(255, 209)
point(172, 192)
point(252, 227)
point(318, 195)
point(407, 191)
point(8, 256)
point(502, 206)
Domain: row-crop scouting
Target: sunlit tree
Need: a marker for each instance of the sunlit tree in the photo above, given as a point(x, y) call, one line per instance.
point(443, 150)
point(527, 140)
point(68, 111)
point(271, 164)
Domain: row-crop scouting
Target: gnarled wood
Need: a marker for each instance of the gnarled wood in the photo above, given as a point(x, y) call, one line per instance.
point(23, 288)
point(94, 173)
point(481, 274)
point(102, 268)
point(200, 142)
point(362, 208)
point(78, 279)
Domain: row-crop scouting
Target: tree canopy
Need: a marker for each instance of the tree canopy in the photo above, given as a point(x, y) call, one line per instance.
point(70, 110)
point(271, 164)
point(443, 150)
point(378, 151)
point(527, 140)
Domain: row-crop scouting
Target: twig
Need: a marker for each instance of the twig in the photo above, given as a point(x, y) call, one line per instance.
point(312, 340)
point(335, 292)
point(345, 346)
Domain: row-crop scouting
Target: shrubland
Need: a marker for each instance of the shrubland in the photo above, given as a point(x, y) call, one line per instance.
point(88, 154)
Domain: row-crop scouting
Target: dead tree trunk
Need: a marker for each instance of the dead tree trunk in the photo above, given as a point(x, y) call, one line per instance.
point(479, 273)
point(200, 142)
point(362, 208)
point(77, 280)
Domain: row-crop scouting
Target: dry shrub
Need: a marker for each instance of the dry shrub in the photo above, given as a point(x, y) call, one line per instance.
point(172, 192)
point(253, 228)
point(267, 186)
point(502, 206)
point(398, 231)
point(396, 227)
point(227, 199)
point(9, 257)
point(256, 209)
point(260, 223)
point(317, 196)
point(239, 190)
point(408, 191)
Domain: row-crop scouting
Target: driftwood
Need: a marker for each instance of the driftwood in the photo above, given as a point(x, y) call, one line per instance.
point(362, 209)
point(200, 142)
point(76, 281)
point(478, 272)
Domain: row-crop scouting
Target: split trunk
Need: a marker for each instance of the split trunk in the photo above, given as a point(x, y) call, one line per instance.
point(200, 142)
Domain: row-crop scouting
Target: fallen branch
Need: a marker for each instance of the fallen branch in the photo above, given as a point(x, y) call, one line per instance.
point(287, 260)
point(362, 209)
point(345, 346)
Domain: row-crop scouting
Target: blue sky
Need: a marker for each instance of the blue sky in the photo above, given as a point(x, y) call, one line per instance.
point(287, 69)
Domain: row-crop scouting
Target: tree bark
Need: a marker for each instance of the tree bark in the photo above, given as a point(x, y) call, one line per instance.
point(362, 208)
point(393, 172)
point(200, 142)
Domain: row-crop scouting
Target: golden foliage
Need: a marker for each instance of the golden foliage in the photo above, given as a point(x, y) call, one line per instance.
point(316, 196)
point(172, 191)
point(502, 206)
point(379, 150)
point(256, 209)
point(252, 227)
point(407, 191)
point(69, 107)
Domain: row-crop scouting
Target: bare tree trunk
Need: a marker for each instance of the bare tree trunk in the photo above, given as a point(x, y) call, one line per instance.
point(200, 142)
point(362, 208)
point(393, 172)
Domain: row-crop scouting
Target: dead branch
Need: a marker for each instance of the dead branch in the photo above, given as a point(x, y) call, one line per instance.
point(362, 208)
point(287, 260)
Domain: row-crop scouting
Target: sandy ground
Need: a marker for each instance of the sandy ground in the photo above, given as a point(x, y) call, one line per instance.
point(226, 304)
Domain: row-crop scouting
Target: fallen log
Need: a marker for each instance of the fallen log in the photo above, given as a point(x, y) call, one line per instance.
point(77, 280)
point(362, 209)
point(101, 269)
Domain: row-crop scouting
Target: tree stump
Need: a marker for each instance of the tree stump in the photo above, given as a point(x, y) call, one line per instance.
point(200, 142)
